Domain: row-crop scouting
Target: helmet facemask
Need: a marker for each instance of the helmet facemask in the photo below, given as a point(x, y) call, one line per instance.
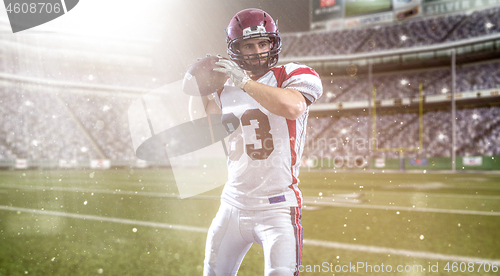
point(266, 59)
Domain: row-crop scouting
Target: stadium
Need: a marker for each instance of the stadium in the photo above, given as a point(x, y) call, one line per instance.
point(399, 171)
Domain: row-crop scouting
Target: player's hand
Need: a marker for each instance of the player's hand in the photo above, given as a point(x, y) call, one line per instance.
point(233, 70)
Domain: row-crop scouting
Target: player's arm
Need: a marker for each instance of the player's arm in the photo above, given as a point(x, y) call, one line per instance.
point(288, 103)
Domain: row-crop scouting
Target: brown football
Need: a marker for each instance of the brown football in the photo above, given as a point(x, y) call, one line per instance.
point(201, 79)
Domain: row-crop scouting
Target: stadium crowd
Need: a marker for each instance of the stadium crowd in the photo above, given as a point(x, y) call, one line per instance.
point(478, 134)
point(412, 33)
point(46, 122)
point(406, 84)
point(35, 125)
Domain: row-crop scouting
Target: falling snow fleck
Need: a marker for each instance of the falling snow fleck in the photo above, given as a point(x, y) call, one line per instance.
point(134, 229)
point(85, 202)
point(422, 237)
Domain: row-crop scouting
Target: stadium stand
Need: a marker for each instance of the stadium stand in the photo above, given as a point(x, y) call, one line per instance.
point(61, 95)
point(477, 134)
point(84, 116)
point(35, 125)
point(44, 123)
point(406, 34)
point(105, 118)
point(405, 84)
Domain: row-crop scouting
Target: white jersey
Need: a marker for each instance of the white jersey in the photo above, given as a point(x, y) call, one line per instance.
point(265, 149)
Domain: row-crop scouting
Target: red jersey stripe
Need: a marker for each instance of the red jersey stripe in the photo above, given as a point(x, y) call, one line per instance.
point(302, 71)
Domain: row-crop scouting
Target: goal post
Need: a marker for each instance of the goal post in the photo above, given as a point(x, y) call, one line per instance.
point(401, 150)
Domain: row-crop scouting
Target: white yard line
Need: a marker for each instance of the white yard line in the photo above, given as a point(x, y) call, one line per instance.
point(401, 208)
point(319, 243)
point(85, 190)
point(401, 252)
point(436, 195)
point(98, 191)
point(106, 219)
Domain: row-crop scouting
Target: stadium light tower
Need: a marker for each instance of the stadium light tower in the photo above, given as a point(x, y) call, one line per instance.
point(370, 136)
point(453, 111)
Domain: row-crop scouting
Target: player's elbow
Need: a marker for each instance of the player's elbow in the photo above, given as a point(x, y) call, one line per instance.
point(294, 111)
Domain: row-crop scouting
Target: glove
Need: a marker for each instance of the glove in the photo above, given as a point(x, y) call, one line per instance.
point(233, 70)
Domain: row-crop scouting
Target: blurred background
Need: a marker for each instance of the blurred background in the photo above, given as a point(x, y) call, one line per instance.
point(66, 85)
point(410, 87)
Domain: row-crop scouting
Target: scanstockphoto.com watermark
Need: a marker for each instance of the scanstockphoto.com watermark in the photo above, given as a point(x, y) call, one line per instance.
point(342, 143)
point(323, 152)
point(26, 14)
point(337, 161)
point(338, 152)
point(366, 267)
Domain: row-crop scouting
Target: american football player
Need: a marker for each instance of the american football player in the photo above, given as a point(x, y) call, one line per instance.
point(264, 108)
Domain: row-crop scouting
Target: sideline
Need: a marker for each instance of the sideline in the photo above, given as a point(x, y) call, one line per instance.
point(319, 243)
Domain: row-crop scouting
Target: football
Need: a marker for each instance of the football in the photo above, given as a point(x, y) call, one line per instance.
point(201, 79)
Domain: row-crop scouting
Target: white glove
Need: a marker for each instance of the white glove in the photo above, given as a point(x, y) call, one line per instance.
point(233, 70)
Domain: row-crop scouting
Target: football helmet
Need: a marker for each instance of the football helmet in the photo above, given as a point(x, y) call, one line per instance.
point(253, 23)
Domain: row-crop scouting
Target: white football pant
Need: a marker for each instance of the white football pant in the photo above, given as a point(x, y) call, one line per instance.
point(233, 231)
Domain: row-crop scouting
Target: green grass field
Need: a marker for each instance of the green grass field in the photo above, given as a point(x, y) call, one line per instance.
point(360, 7)
point(126, 222)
